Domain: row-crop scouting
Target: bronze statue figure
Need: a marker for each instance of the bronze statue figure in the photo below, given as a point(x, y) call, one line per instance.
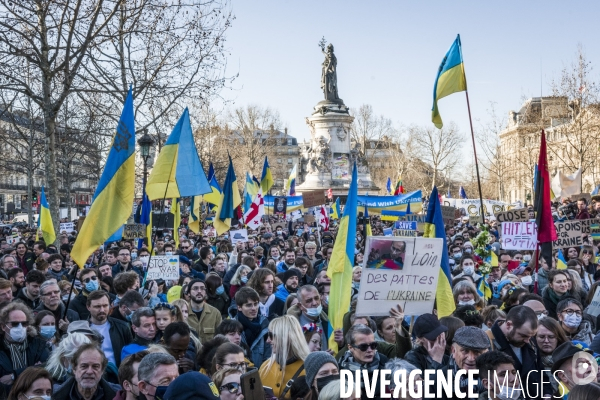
point(329, 74)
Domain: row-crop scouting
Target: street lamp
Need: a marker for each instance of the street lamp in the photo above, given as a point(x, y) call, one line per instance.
point(145, 143)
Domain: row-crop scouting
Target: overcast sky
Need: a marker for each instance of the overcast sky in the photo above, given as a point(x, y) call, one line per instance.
point(388, 53)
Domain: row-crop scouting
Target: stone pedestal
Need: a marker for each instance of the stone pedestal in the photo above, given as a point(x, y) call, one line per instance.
point(329, 157)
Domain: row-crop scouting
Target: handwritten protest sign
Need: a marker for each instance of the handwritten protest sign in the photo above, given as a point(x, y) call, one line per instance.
point(474, 220)
point(241, 235)
point(594, 307)
point(405, 233)
point(66, 227)
point(313, 198)
point(569, 234)
point(586, 226)
point(519, 235)
point(448, 215)
point(14, 239)
point(515, 215)
point(163, 267)
point(399, 271)
point(134, 231)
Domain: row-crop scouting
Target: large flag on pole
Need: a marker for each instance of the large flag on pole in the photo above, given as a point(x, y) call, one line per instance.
point(146, 218)
point(266, 180)
point(176, 220)
point(342, 262)
point(399, 188)
point(178, 171)
point(335, 209)
point(113, 199)
point(450, 79)
point(291, 183)
point(45, 220)
point(542, 204)
point(434, 228)
point(461, 193)
point(195, 214)
point(250, 190)
point(230, 200)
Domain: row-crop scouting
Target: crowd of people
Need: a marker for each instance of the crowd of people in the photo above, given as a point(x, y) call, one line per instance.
point(104, 331)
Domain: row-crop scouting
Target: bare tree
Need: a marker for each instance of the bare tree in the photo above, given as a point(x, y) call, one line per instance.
point(440, 148)
point(490, 154)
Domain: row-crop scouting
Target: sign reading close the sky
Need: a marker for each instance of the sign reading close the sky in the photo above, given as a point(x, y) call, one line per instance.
point(399, 271)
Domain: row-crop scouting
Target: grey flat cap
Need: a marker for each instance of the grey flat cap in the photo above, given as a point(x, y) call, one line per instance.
point(471, 337)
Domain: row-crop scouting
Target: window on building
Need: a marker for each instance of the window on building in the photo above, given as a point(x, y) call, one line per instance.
point(279, 161)
point(290, 160)
point(290, 142)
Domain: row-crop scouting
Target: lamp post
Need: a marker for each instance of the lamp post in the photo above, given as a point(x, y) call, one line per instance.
point(145, 143)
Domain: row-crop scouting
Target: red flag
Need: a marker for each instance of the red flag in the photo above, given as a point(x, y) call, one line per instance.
point(542, 204)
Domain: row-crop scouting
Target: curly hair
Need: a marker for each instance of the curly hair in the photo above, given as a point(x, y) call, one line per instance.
point(18, 306)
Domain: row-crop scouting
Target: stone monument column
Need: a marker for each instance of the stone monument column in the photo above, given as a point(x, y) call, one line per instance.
point(328, 158)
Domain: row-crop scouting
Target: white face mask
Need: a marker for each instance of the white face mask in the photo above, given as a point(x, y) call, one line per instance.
point(526, 280)
point(507, 393)
point(468, 270)
point(466, 303)
point(18, 334)
point(572, 321)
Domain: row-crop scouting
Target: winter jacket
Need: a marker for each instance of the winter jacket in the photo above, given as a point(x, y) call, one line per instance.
point(118, 268)
point(32, 304)
point(105, 390)
point(260, 350)
point(275, 379)
point(71, 315)
point(27, 262)
point(36, 352)
point(79, 305)
point(419, 357)
point(207, 325)
point(282, 293)
point(220, 302)
point(120, 336)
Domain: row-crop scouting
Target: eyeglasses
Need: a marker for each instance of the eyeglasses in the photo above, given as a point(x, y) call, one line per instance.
point(15, 324)
point(538, 313)
point(56, 292)
point(549, 338)
point(198, 289)
point(184, 248)
point(239, 366)
point(92, 278)
point(365, 346)
point(571, 312)
point(232, 387)
point(586, 252)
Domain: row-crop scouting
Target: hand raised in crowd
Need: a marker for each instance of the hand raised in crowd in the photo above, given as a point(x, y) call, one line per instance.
point(436, 348)
point(338, 337)
point(153, 289)
point(63, 324)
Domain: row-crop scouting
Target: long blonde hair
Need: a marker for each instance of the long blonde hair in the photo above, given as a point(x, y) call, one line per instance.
point(236, 280)
point(289, 341)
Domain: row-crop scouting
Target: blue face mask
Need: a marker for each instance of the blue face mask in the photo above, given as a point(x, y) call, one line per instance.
point(47, 332)
point(220, 290)
point(92, 285)
point(160, 392)
point(244, 279)
point(128, 317)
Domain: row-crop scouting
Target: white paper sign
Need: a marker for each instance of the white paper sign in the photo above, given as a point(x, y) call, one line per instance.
point(163, 267)
point(241, 235)
point(13, 239)
point(399, 271)
point(519, 235)
point(66, 226)
point(594, 307)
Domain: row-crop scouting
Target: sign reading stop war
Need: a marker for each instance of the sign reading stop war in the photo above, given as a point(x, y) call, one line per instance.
point(399, 271)
point(569, 234)
point(519, 235)
point(516, 215)
point(163, 267)
point(134, 231)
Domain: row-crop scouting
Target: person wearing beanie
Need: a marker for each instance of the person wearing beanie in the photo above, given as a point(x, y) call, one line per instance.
point(290, 279)
point(321, 368)
point(429, 352)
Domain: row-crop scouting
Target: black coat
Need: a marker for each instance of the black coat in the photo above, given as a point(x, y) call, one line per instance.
point(71, 314)
point(33, 304)
point(532, 361)
point(63, 392)
point(120, 336)
point(36, 352)
point(78, 304)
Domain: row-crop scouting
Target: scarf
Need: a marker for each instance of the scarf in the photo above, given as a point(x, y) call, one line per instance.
point(348, 362)
point(264, 308)
point(252, 329)
point(555, 297)
point(17, 353)
point(464, 381)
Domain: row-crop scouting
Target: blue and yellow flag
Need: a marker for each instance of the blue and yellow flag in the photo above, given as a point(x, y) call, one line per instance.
point(113, 199)
point(45, 220)
point(368, 231)
point(342, 262)
point(214, 196)
point(178, 171)
point(434, 228)
point(450, 79)
point(146, 219)
point(176, 220)
point(250, 191)
point(230, 200)
point(290, 186)
point(195, 214)
point(335, 209)
point(266, 180)
point(561, 263)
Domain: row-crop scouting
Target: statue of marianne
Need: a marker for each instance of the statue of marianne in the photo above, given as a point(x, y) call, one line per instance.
point(329, 74)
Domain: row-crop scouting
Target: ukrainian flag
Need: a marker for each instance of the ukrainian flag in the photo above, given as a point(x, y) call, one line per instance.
point(291, 183)
point(450, 79)
point(176, 220)
point(113, 199)
point(342, 261)
point(266, 180)
point(178, 171)
point(434, 228)
point(335, 209)
point(368, 231)
point(214, 196)
point(45, 220)
point(250, 191)
point(230, 200)
point(561, 263)
point(195, 213)
point(146, 219)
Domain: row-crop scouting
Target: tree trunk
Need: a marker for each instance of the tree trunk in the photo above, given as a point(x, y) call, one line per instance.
point(67, 184)
point(435, 172)
point(29, 195)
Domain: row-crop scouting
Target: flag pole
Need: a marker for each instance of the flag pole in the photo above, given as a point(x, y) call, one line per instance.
point(481, 212)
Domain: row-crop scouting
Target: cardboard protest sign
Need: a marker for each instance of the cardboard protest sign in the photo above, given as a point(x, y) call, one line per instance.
point(80, 223)
point(569, 234)
point(405, 233)
point(309, 218)
point(240, 235)
point(515, 215)
point(519, 235)
point(586, 226)
point(474, 220)
point(399, 271)
point(66, 227)
point(585, 196)
point(163, 267)
point(313, 198)
point(134, 231)
point(594, 307)
point(448, 215)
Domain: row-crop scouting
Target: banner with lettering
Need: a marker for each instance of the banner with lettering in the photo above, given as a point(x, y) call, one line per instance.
point(294, 203)
point(376, 204)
